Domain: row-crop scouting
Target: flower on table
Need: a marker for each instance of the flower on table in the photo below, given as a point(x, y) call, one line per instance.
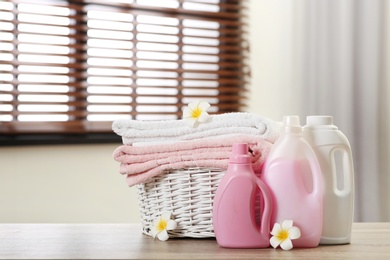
point(195, 112)
point(162, 224)
point(283, 234)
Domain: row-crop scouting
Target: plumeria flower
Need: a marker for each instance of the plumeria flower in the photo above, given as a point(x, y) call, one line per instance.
point(196, 112)
point(162, 224)
point(283, 234)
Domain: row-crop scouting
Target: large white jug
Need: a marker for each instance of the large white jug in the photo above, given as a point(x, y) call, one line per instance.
point(334, 154)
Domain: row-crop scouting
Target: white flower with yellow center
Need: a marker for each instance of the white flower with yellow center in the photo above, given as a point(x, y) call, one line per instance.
point(196, 112)
point(283, 234)
point(162, 224)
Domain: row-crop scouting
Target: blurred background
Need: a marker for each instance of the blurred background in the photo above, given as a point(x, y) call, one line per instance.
point(330, 58)
point(306, 58)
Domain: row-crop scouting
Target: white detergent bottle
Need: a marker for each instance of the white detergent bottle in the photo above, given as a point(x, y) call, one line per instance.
point(293, 176)
point(335, 157)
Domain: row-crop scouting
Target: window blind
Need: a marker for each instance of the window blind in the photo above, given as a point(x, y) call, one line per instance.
point(75, 66)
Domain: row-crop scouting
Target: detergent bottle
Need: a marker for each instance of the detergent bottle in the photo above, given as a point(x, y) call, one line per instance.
point(293, 175)
point(335, 157)
point(234, 216)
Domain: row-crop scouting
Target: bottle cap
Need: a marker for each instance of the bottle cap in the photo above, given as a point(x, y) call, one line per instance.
point(291, 121)
point(319, 120)
point(291, 124)
point(240, 153)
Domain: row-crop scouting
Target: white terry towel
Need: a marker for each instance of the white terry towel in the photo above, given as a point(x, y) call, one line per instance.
point(136, 131)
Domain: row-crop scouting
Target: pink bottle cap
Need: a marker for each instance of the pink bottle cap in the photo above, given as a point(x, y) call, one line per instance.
point(240, 153)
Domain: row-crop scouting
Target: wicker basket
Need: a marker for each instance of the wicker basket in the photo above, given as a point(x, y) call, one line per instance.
point(188, 194)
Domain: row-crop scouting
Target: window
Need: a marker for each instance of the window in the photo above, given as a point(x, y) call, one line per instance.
point(72, 67)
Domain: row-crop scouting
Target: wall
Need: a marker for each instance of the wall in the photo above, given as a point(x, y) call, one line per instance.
point(271, 43)
point(66, 183)
point(330, 58)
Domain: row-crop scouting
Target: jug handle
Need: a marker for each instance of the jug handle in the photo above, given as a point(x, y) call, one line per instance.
point(266, 214)
point(347, 165)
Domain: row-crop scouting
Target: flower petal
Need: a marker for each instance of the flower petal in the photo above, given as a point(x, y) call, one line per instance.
point(294, 233)
point(190, 121)
point(194, 105)
point(166, 215)
point(163, 235)
point(187, 113)
point(276, 229)
point(171, 225)
point(203, 105)
point(204, 116)
point(154, 231)
point(287, 224)
point(275, 241)
point(286, 244)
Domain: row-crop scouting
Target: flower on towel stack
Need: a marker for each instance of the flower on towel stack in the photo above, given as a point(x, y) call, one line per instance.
point(141, 163)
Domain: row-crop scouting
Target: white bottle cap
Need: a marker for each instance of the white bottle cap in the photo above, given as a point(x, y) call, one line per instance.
point(291, 121)
point(319, 120)
point(291, 124)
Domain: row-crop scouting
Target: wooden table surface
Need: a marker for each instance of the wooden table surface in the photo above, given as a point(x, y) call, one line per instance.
point(125, 241)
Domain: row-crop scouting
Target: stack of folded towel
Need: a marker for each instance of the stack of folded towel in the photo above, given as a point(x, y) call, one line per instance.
point(152, 147)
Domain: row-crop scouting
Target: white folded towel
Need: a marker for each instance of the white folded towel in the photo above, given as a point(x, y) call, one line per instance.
point(136, 131)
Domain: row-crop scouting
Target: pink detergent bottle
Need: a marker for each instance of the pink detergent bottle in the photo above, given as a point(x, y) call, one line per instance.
point(234, 217)
point(293, 176)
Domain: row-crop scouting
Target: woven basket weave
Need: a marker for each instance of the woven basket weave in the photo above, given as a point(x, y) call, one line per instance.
point(188, 194)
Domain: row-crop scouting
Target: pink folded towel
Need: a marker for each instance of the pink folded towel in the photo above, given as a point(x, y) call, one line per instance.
point(141, 163)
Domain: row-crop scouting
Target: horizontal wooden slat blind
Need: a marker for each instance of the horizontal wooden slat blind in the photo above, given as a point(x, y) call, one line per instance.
point(75, 66)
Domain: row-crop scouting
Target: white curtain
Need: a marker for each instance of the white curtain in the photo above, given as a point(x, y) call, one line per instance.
point(337, 55)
